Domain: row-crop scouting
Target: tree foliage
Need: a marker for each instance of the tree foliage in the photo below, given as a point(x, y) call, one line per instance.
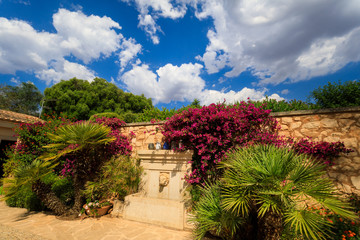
point(335, 95)
point(81, 99)
point(24, 98)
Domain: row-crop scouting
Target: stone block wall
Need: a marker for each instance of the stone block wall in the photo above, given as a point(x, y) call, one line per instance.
point(145, 133)
point(330, 125)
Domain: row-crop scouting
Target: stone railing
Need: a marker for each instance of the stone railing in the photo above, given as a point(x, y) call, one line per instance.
point(329, 125)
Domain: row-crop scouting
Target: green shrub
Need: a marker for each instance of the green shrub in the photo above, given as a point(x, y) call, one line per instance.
point(62, 187)
point(26, 198)
point(105, 114)
point(129, 117)
point(119, 177)
point(154, 113)
point(335, 95)
point(283, 106)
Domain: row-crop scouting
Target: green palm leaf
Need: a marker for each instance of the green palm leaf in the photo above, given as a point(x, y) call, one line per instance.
point(72, 138)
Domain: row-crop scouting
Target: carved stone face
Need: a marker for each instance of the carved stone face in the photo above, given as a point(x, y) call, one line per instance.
point(164, 179)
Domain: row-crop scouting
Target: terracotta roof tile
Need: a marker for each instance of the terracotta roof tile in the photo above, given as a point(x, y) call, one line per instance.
point(17, 117)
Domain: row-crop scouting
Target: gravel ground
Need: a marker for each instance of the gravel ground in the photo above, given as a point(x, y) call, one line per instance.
point(10, 233)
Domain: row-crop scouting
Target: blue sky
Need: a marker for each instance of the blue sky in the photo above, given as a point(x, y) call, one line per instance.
point(175, 51)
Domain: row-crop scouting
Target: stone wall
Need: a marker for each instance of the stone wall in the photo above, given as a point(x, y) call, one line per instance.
point(329, 125)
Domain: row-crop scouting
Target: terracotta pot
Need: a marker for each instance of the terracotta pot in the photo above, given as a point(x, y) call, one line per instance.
point(97, 212)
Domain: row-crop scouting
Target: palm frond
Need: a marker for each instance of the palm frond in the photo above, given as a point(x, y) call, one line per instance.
point(72, 138)
point(209, 215)
point(309, 225)
point(341, 208)
point(27, 175)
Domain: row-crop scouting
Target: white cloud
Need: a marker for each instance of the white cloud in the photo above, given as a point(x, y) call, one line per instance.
point(285, 91)
point(130, 50)
point(170, 83)
point(212, 96)
point(15, 80)
point(280, 40)
point(64, 70)
point(173, 83)
point(86, 37)
point(22, 48)
point(150, 10)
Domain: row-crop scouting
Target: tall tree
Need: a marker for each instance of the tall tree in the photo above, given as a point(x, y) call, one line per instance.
point(81, 99)
point(24, 98)
point(335, 95)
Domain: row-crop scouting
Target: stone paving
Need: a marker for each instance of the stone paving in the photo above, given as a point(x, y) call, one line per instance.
point(105, 228)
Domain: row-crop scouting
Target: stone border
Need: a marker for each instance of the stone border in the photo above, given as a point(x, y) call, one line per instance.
point(315, 111)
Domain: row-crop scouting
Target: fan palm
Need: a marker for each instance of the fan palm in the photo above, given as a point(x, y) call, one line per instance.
point(85, 142)
point(208, 215)
point(276, 186)
point(81, 136)
point(31, 175)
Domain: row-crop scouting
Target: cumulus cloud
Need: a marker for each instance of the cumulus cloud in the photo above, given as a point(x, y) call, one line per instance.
point(213, 96)
point(86, 37)
point(170, 83)
point(281, 40)
point(150, 10)
point(64, 70)
point(182, 83)
point(129, 50)
point(15, 80)
point(285, 91)
point(23, 48)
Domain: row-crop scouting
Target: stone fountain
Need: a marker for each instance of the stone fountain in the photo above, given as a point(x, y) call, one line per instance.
point(163, 198)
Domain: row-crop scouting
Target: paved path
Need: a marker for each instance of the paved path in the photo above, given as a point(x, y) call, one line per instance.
point(104, 228)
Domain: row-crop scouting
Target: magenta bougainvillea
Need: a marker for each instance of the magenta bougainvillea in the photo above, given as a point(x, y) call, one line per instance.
point(122, 143)
point(32, 138)
point(214, 130)
point(324, 151)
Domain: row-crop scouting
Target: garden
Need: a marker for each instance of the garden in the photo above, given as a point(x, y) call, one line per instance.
point(247, 181)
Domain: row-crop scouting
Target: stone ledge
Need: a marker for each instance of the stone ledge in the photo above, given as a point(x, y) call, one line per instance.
point(315, 111)
point(163, 155)
point(141, 124)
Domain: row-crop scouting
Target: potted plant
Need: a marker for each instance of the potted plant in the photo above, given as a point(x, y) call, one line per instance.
point(96, 208)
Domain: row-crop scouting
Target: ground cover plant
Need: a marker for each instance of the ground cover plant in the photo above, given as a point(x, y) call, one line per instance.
point(268, 192)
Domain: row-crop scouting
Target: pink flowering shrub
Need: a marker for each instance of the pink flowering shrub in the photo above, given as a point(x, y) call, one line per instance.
point(214, 130)
point(122, 144)
point(32, 137)
point(324, 151)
